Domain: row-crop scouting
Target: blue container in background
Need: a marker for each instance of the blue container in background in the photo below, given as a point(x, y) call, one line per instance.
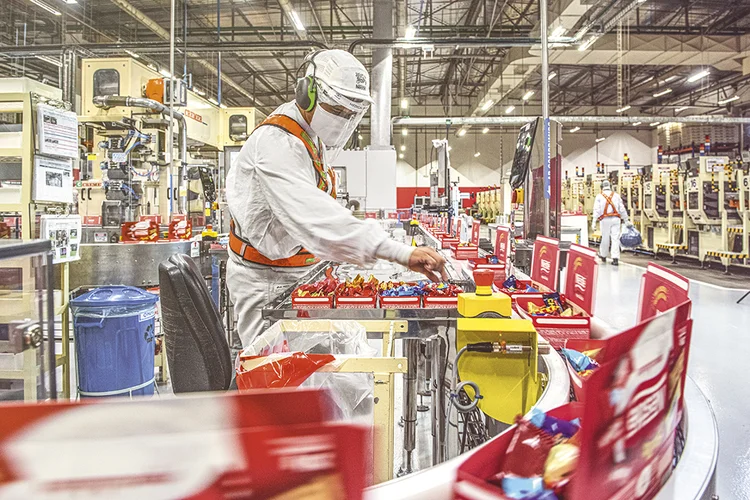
point(114, 337)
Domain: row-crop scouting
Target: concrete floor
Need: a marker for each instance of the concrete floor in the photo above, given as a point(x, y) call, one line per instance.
point(718, 354)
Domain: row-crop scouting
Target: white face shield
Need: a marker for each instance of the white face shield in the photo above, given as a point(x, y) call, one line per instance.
point(336, 117)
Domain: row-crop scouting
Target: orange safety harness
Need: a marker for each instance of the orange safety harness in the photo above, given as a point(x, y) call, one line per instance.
point(608, 203)
point(242, 247)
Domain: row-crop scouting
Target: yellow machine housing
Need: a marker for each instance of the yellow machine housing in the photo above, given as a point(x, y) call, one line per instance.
point(508, 378)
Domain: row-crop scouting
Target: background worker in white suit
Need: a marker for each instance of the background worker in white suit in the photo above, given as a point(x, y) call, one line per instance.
point(609, 211)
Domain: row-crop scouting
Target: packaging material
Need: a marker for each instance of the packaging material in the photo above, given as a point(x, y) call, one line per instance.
point(278, 359)
point(265, 445)
point(630, 238)
point(146, 230)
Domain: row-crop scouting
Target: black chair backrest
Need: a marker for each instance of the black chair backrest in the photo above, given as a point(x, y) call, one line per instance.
point(197, 348)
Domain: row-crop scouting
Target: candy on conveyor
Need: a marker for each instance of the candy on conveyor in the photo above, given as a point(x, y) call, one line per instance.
point(322, 288)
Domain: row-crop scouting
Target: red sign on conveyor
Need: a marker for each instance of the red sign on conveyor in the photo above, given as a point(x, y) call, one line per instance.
point(502, 243)
point(661, 289)
point(580, 280)
point(475, 233)
point(545, 264)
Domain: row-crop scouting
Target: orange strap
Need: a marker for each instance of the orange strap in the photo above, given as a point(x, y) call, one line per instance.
point(608, 203)
point(245, 250)
point(242, 247)
point(290, 126)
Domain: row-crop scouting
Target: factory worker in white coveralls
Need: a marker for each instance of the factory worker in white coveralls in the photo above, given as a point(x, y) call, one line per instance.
point(609, 211)
point(281, 192)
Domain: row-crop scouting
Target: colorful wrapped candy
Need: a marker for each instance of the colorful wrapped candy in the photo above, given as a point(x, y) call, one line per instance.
point(390, 289)
point(358, 287)
point(560, 465)
point(552, 425)
point(323, 288)
point(442, 290)
point(580, 361)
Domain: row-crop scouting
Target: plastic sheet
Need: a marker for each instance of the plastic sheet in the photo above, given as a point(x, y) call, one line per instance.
point(294, 358)
point(630, 237)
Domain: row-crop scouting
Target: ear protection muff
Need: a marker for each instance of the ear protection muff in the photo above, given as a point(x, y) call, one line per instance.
point(306, 90)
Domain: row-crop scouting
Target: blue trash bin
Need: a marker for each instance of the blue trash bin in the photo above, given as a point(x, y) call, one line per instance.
point(114, 336)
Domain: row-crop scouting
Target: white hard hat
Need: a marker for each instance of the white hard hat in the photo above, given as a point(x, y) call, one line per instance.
point(342, 72)
point(606, 185)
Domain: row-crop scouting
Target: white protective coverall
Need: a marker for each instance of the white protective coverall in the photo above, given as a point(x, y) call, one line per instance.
point(276, 206)
point(609, 215)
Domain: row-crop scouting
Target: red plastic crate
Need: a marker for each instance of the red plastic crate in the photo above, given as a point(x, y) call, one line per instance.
point(556, 330)
point(400, 302)
point(577, 382)
point(440, 302)
point(356, 302)
point(465, 252)
point(447, 242)
point(312, 302)
point(500, 270)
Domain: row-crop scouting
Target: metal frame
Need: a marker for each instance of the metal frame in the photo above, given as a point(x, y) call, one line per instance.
point(24, 207)
point(384, 370)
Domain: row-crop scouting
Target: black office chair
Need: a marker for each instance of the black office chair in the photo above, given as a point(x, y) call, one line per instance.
point(197, 349)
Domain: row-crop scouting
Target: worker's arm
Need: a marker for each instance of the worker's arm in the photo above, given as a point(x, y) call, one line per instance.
point(598, 208)
point(313, 217)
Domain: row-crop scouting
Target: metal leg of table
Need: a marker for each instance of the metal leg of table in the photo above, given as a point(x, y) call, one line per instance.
point(411, 351)
point(437, 349)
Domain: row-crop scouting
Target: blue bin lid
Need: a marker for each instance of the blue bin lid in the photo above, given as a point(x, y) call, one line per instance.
point(118, 295)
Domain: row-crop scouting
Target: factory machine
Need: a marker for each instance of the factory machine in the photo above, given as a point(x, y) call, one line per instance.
point(630, 187)
point(130, 174)
point(663, 202)
point(129, 171)
point(712, 201)
point(742, 173)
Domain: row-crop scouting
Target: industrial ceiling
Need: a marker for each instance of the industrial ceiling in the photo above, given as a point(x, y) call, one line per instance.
point(618, 53)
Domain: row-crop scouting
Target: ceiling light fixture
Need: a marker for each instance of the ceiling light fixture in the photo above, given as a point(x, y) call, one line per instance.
point(50, 60)
point(681, 108)
point(487, 105)
point(47, 7)
point(663, 92)
point(509, 109)
point(551, 75)
point(528, 95)
point(728, 100)
point(623, 109)
point(70, 2)
point(132, 54)
point(698, 76)
point(360, 137)
point(636, 124)
point(213, 101)
point(654, 124)
point(670, 78)
point(165, 73)
point(462, 132)
point(199, 91)
point(410, 32)
point(476, 155)
point(401, 156)
point(575, 129)
point(297, 21)
point(485, 130)
point(403, 147)
point(404, 103)
point(558, 32)
point(600, 139)
point(588, 43)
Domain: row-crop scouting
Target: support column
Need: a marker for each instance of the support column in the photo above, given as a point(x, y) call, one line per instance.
point(381, 76)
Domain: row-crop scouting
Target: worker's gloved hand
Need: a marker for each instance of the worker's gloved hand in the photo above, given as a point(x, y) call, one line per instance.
point(628, 224)
point(427, 261)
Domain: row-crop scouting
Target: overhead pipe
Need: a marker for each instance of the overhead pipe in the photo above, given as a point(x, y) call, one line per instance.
point(152, 47)
point(520, 120)
point(403, 43)
point(382, 76)
point(110, 101)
